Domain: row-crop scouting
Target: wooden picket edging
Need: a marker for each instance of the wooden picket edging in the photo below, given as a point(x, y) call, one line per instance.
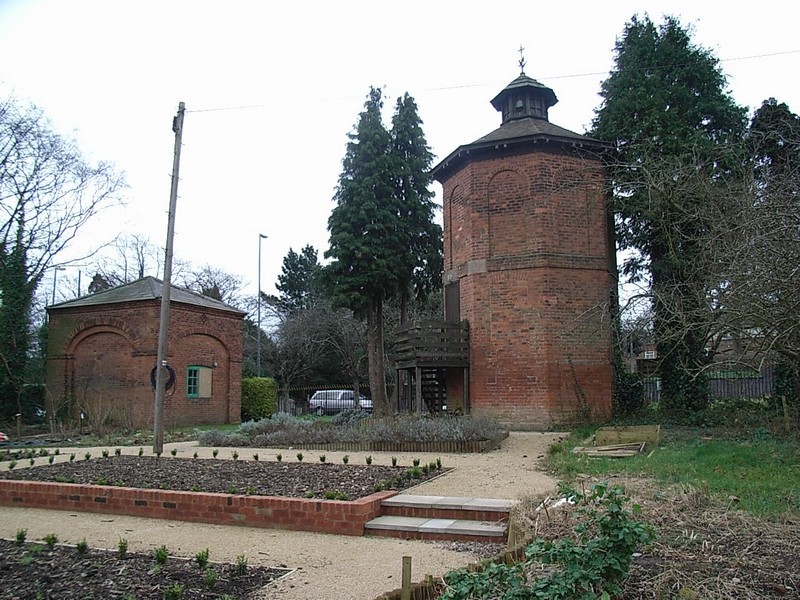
point(452, 447)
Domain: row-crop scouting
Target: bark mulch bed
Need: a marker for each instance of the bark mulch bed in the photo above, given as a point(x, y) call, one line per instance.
point(295, 479)
point(36, 570)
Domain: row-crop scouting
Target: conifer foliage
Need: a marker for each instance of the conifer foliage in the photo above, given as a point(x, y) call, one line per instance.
point(382, 236)
point(666, 109)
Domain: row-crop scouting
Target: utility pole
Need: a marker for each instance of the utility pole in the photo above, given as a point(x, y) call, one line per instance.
point(163, 328)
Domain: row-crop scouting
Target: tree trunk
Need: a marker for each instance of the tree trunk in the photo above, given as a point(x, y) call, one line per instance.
point(377, 373)
point(285, 403)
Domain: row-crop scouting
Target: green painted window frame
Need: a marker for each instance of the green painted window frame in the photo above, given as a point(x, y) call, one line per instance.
point(193, 381)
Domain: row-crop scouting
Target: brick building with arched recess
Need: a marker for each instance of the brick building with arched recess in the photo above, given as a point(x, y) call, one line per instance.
point(530, 266)
point(102, 348)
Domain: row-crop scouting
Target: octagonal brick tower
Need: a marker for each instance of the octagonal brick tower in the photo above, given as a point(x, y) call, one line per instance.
point(530, 264)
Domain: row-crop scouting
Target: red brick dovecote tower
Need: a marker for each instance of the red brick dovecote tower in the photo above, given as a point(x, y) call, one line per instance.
point(530, 263)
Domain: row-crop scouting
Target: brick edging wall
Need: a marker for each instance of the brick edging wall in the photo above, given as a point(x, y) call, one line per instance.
point(273, 512)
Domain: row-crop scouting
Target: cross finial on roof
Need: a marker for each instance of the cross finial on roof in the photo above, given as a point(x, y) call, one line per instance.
point(521, 60)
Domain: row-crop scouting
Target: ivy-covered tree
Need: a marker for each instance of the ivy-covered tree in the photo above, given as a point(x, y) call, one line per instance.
point(48, 192)
point(666, 109)
point(368, 241)
point(423, 257)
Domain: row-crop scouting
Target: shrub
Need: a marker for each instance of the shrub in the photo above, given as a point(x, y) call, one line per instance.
point(350, 417)
point(214, 437)
point(259, 398)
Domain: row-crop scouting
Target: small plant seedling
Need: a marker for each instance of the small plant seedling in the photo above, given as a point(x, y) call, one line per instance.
point(378, 487)
point(33, 461)
point(50, 540)
point(174, 451)
point(57, 451)
point(232, 490)
point(119, 483)
point(330, 494)
point(308, 494)
point(194, 488)
point(82, 546)
point(87, 456)
point(388, 484)
point(438, 463)
point(202, 558)
point(240, 568)
point(164, 485)
point(101, 481)
point(50, 459)
point(210, 578)
point(415, 462)
point(158, 454)
point(175, 592)
point(194, 455)
point(279, 457)
point(235, 455)
point(104, 453)
point(299, 457)
point(141, 451)
point(341, 496)
point(394, 461)
point(322, 458)
point(122, 548)
point(346, 458)
point(161, 554)
point(21, 535)
point(250, 490)
point(215, 452)
point(71, 457)
point(369, 459)
point(11, 465)
point(255, 457)
point(117, 451)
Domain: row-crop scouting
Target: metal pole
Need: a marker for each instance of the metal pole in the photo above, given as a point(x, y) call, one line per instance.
point(55, 275)
point(163, 328)
point(261, 236)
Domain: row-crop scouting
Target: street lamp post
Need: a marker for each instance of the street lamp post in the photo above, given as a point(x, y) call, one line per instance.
point(55, 276)
point(261, 236)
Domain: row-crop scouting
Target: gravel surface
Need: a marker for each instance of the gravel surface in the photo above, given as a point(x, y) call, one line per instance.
point(323, 566)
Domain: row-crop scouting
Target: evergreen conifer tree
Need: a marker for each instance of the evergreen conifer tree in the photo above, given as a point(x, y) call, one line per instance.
point(665, 107)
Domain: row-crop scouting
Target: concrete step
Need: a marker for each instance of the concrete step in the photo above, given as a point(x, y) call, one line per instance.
point(447, 507)
point(420, 528)
point(411, 516)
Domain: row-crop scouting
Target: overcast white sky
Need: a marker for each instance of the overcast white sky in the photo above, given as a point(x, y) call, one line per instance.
point(111, 73)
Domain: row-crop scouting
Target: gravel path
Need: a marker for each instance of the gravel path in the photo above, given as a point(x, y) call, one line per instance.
point(326, 566)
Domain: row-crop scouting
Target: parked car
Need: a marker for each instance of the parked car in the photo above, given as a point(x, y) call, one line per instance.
point(329, 402)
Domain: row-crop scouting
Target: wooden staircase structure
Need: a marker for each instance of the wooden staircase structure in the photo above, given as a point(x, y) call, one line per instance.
point(425, 353)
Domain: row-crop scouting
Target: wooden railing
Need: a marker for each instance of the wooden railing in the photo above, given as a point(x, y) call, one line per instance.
point(431, 344)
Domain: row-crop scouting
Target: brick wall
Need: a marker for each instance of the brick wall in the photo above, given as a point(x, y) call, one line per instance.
point(324, 516)
point(100, 359)
point(527, 237)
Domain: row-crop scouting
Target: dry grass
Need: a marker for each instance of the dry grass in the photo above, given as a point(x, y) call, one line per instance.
point(705, 548)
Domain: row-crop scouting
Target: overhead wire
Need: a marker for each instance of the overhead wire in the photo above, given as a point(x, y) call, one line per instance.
point(475, 85)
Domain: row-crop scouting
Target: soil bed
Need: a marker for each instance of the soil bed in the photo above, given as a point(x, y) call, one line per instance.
point(295, 479)
point(35, 571)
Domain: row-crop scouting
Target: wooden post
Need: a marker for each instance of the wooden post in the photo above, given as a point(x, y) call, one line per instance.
point(418, 386)
point(406, 590)
point(163, 327)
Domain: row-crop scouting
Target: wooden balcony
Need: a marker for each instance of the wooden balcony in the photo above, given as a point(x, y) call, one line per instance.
point(431, 344)
point(424, 353)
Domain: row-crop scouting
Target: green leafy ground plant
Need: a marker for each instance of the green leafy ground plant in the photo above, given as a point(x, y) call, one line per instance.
point(587, 566)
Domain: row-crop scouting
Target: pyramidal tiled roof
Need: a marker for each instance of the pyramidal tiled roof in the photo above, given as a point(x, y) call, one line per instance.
point(147, 288)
